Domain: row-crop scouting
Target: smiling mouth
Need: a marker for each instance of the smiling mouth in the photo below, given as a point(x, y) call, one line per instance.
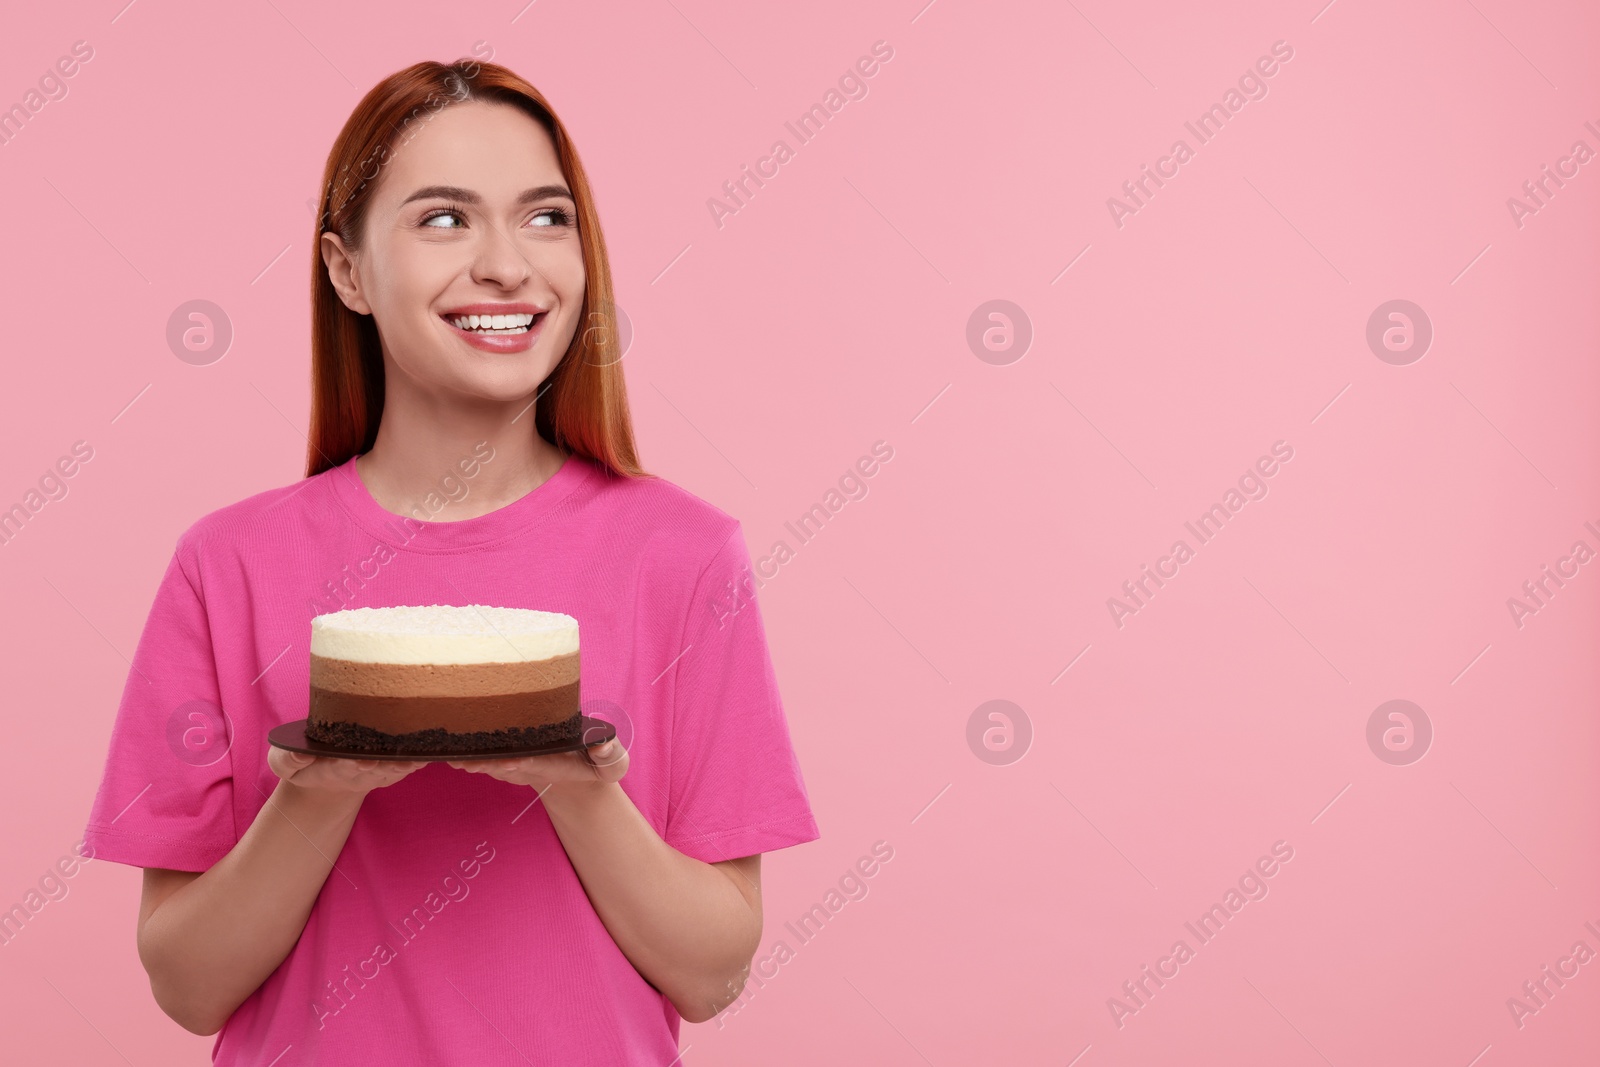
point(494, 325)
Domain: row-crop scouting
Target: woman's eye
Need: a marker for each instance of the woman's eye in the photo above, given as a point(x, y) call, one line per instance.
point(555, 216)
point(447, 213)
point(552, 217)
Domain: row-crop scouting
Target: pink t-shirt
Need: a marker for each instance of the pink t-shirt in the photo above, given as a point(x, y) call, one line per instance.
point(454, 928)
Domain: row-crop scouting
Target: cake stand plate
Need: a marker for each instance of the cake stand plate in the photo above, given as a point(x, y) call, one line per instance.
point(292, 737)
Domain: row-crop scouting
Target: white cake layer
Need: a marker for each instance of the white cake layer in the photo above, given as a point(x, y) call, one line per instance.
point(443, 633)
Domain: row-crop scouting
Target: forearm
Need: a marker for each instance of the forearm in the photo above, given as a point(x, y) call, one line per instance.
point(213, 942)
point(687, 926)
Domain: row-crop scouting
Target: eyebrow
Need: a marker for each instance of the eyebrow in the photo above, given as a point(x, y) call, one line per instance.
point(467, 196)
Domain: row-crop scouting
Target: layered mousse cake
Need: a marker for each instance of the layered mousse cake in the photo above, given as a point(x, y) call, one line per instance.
point(443, 679)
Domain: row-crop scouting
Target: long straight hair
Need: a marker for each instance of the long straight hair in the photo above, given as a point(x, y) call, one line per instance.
point(581, 407)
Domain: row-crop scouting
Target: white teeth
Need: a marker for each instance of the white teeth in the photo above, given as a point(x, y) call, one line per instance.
point(516, 323)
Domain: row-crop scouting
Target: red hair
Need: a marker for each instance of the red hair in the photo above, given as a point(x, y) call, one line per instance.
point(581, 407)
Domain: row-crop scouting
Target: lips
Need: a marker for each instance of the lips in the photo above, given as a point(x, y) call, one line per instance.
point(508, 339)
point(518, 314)
point(491, 324)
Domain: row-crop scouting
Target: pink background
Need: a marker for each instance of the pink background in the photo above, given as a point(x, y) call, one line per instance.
point(831, 312)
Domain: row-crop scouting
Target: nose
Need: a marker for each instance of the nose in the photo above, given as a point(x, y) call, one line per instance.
point(498, 259)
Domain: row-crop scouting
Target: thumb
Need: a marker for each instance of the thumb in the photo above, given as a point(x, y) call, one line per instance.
point(291, 761)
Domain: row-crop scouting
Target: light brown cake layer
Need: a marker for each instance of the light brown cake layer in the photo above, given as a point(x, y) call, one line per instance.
point(454, 680)
point(457, 714)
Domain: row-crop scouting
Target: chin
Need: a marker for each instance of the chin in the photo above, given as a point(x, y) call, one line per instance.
point(503, 391)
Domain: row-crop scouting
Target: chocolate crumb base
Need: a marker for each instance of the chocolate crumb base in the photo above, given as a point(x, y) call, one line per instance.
point(355, 737)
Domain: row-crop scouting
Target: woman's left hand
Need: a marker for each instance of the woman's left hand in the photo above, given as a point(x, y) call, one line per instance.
point(603, 763)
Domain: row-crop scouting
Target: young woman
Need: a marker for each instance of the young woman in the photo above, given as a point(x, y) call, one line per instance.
point(563, 909)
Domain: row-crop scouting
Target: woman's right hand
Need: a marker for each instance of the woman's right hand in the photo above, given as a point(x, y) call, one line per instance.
point(330, 775)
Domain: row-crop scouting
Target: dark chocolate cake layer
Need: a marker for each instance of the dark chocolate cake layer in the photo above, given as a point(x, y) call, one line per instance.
point(355, 737)
point(400, 715)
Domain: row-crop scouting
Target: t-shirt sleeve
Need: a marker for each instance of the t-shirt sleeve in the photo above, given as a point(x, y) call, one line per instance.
point(166, 795)
point(736, 788)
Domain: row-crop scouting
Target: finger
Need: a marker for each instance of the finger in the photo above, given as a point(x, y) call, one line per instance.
point(519, 765)
point(606, 754)
point(287, 764)
point(613, 766)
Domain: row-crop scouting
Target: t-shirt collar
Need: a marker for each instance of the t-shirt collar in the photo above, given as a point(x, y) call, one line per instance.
point(417, 534)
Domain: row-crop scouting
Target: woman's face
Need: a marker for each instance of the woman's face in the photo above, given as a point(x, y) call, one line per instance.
point(471, 217)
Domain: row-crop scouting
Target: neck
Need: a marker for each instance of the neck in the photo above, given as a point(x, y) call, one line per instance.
point(428, 444)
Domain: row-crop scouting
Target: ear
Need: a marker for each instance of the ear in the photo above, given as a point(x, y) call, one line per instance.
point(343, 274)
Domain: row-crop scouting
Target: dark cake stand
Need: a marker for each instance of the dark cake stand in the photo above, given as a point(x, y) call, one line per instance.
point(291, 736)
